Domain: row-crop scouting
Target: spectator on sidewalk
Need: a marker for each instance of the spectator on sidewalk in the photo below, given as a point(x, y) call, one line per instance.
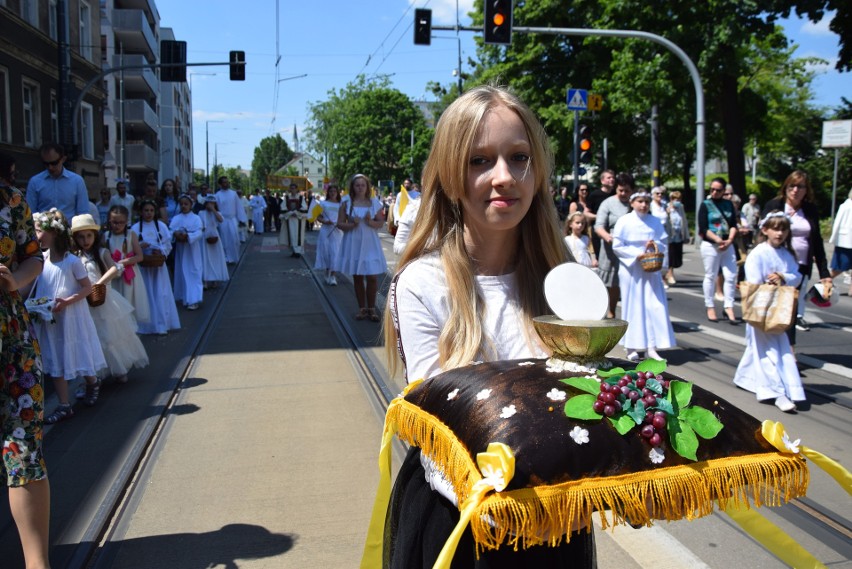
point(610, 211)
point(680, 235)
point(594, 201)
point(717, 227)
point(750, 218)
point(841, 238)
point(57, 186)
point(122, 198)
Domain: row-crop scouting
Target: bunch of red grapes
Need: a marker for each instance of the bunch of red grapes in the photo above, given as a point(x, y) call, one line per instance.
point(632, 387)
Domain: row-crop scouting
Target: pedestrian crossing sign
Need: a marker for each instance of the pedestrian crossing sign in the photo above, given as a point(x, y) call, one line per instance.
point(578, 99)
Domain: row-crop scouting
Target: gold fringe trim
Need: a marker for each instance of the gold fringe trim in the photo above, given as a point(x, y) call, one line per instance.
point(548, 514)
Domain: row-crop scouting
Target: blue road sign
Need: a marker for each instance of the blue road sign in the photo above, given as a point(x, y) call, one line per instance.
point(578, 100)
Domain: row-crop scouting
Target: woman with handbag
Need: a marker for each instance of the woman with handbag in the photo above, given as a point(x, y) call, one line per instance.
point(768, 366)
point(643, 297)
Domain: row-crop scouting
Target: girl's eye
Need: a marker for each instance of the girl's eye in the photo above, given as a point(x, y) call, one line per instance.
point(477, 161)
point(521, 157)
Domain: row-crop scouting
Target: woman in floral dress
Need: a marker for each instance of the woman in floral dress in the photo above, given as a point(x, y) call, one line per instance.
point(21, 380)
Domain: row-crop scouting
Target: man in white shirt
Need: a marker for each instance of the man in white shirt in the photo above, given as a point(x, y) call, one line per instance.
point(233, 213)
point(121, 197)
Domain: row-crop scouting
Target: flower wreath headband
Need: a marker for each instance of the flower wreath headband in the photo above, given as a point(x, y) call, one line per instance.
point(770, 216)
point(48, 222)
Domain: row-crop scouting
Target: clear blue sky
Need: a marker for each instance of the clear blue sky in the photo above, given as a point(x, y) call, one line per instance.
point(332, 41)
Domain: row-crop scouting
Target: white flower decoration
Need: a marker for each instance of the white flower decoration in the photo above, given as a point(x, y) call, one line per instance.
point(556, 395)
point(792, 446)
point(19, 433)
point(453, 394)
point(483, 395)
point(526, 364)
point(25, 401)
point(508, 412)
point(657, 455)
point(493, 477)
point(580, 435)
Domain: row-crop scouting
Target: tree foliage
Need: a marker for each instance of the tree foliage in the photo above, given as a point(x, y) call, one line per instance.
point(366, 128)
point(272, 153)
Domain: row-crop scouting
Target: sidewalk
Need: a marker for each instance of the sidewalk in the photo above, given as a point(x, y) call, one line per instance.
point(269, 457)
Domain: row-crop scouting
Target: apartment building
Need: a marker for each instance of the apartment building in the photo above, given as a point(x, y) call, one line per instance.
point(175, 128)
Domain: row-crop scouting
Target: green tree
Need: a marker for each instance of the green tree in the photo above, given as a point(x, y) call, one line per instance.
point(366, 127)
point(272, 153)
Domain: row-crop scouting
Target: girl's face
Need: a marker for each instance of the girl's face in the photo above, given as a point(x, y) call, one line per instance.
point(775, 237)
point(577, 226)
point(333, 194)
point(85, 239)
point(640, 205)
point(45, 238)
point(117, 223)
point(185, 206)
point(359, 188)
point(500, 184)
point(210, 206)
point(148, 212)
point(169, 188)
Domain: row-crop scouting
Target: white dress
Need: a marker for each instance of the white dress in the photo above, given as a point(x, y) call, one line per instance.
point(161, 299)
point(70, 346)
point(130, 284)
point(116, 326)
point(768, 366)
point(579, 247)
point(258, 205)
point(361, 249)
point(189, 263)
point(419, 303)
point(330, 236)
point(232, 209)
point(643, 297)
point(215, 268)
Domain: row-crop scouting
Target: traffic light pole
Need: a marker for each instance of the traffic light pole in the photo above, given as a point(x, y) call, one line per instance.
point(668, 44)
point(576, 150)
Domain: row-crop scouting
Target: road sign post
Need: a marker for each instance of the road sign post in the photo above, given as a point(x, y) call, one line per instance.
point(578, 100)
point(837, 135)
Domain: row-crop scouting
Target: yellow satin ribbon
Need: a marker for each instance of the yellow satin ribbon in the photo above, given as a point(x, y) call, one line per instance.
point(497, 465)
point(774, 433)
point(770, 536)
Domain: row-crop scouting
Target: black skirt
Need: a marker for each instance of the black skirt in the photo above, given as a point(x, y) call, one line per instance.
point(675, 255)
point(420, 520)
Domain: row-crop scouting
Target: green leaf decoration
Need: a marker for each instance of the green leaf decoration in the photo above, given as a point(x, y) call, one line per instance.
point(616, 371)
point(585, 384)
point(580, 407)
point(654, 366)
point(703, 421)
point(665, 405)
point(680, 394)
point(622, 424)
point(637, 412)
point(654, 386)
point(683, 439)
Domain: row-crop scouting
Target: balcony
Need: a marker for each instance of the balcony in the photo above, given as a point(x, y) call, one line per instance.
point(137, 113)
point(145, 5)
point(140, 156)
point(137, 82)
point(134, 34)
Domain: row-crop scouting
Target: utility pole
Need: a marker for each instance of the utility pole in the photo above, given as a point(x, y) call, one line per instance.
point(655, 147)
point(207, 153)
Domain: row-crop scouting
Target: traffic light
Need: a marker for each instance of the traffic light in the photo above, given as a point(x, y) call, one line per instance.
point(585, 144)
point(173, 59)
point(498, 22)
point(422, 27)
point(238, 66)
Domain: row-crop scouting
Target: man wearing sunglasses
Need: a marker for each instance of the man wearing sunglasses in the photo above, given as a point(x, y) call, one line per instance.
point(56, 186)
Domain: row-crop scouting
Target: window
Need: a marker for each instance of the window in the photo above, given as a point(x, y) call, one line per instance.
point(54, 116)
point(85, 31)
point(87, 131)
point(5, 111)
point(31, 114)
point(29, 11)
point(53, 27)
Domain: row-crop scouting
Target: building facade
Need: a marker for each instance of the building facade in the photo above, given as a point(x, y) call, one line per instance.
point(307, 166)
point(175, 128)
point(49, 51)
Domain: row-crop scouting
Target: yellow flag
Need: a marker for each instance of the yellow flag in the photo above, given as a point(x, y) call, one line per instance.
point(315, 211)
point(401, 202)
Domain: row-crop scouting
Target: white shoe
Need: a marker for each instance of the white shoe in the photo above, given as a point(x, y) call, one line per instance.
point(652, 354)
point(785, 404)
point(332, 280)
point(633, 356)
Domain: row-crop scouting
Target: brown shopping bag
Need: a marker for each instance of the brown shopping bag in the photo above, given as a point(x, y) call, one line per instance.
point(769, 307)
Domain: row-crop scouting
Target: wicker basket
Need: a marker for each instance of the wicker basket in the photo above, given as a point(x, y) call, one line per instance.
point(213, 239)
point(98, 295)
point(651, 260)
point(153, 260)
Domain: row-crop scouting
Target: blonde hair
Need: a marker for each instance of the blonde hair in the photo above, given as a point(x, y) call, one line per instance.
point(440, 226)
point(566, 229)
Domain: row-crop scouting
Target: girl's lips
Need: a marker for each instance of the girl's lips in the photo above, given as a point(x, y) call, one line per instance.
point(503, 202)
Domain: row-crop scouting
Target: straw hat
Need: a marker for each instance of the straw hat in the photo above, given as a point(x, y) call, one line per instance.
point(84, 222)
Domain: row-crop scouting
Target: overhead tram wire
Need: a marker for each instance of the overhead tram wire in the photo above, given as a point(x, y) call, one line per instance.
point(382, 43)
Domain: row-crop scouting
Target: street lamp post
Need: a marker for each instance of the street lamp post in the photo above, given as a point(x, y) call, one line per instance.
point(207, 151)
point(192, 130)
point(216, 157)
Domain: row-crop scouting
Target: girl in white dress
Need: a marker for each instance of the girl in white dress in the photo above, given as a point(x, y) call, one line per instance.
point(123, 246)
point(768, 366)
point(113, 319)
point(577, 240)
point(213, 254)
point(69, 346)
point(328, 241)
point(361, 255)
point(187, 230)
point(643, 297)
point(154, 235)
